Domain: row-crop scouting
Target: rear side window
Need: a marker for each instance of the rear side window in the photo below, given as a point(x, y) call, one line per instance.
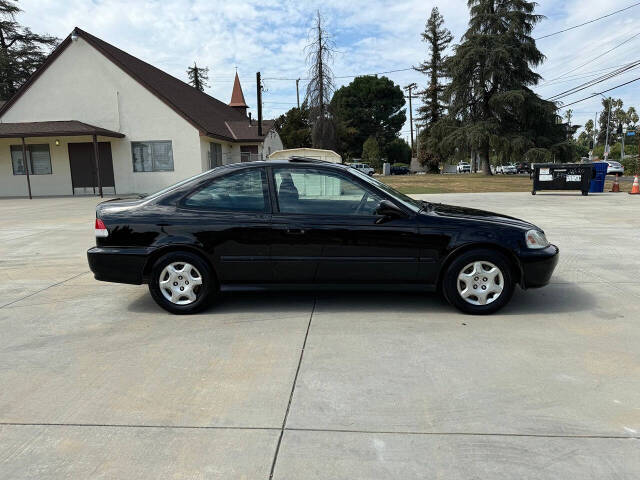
point(244, 191)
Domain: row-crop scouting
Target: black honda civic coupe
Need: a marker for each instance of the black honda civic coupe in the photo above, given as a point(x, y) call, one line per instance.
point(306, 224)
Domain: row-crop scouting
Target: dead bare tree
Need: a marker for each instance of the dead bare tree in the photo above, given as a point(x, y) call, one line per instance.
point(320, 88)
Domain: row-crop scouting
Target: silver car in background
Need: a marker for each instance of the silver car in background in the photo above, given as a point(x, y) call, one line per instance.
point(614, 168)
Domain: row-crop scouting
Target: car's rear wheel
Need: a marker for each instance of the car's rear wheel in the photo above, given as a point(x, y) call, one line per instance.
point(181, 282)
point(479, 282)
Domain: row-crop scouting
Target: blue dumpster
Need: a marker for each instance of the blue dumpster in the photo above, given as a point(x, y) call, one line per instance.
point(599, 176)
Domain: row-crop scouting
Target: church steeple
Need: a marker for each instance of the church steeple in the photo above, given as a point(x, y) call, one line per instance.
point(237, 97)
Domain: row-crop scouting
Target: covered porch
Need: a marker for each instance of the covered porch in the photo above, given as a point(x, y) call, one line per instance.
point(63, 157)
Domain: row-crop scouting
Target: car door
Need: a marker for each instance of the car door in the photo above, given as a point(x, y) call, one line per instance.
point(332, 216)
point(230, 217)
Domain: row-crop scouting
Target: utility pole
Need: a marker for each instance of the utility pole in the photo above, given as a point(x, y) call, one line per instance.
point(595, 137)
point(410, 87)
point(259, 95)
point(298, 92)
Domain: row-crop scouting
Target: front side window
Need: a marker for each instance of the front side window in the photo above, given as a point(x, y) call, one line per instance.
point(38, 159)
point(155, 156)
point(244, 191)
point(323, 193)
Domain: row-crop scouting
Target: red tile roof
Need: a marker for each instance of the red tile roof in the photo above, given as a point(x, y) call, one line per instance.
point(209, 115)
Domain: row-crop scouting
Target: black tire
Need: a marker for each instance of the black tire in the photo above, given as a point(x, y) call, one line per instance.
point(204, 293)
point(450, 281)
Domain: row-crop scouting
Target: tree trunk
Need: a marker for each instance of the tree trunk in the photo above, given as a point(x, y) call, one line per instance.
point(484, 160)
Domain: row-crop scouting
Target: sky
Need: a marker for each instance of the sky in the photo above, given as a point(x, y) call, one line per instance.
point(370, 36)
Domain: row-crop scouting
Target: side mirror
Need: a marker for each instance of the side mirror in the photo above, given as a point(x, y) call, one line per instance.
point(388, 210)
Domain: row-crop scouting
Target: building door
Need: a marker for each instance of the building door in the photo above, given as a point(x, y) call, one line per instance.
point(83, 168)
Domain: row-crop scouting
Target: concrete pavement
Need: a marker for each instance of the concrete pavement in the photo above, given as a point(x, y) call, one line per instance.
point(98, 382)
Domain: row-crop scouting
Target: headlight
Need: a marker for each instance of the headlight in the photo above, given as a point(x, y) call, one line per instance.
point(536, 239)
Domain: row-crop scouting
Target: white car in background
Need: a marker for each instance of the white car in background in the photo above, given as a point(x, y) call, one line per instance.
point(363, 167)
point(463, 167)
point(614, 168)
point(507, 169)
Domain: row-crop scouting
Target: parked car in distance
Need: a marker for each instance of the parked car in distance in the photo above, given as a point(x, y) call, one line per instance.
point(363, 167)
point(523, 167)
point(506, 169)
point(399, 170)
point(614, 168)
point(307, 224)
point(464, 167)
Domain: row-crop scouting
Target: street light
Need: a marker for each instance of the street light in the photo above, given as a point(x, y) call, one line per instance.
point(606, 142)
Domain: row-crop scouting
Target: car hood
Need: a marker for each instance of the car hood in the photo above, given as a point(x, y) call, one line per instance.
point(466, 213)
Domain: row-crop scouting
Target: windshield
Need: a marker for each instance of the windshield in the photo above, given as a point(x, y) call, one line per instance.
point(413, 204)
point(174, 186)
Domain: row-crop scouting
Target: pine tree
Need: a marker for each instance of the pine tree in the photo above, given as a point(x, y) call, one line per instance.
point(198, 76)
point(489, 95)
point(437, 38)
point(21, 50)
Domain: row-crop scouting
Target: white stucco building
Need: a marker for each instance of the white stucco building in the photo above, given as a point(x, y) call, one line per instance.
point(149, 129)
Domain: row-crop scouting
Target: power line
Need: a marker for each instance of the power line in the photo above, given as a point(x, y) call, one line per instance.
point(579, 76)
point(595, 81)
point(343, 76)
point(603, 91)
point(595, 58)
point(587, 22)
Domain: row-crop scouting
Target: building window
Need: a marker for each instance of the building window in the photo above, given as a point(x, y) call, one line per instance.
point(215, 155)
point(38, 159)
point(155, 156)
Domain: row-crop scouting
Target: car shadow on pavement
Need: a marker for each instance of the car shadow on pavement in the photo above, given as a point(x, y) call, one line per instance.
point(555, 298)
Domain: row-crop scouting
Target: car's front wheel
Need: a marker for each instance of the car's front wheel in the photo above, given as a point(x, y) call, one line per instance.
point(479, 282)
point(181, 282)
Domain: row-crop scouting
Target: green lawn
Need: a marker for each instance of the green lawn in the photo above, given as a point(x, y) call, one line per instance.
point(458, 183)
point(468, 183)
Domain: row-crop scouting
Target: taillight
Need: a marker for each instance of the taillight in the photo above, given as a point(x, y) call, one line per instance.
point(101, 229)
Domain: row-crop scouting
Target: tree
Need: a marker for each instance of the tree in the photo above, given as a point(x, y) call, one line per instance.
point(369, 106)
point(437, 38)
point(320, 87)
point(294, 127)
point(371, 152)
point(198, 76)
point(568, 116)
point(490, 99)
point(21, 50)
point(398, 151)
point(586, 136)
point(617, 117)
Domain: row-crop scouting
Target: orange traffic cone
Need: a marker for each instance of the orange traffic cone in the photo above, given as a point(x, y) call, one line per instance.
point(616, 185)
point(635, 190)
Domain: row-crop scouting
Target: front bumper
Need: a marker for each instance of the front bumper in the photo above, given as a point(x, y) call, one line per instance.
point(120, 265)
point(538, 266)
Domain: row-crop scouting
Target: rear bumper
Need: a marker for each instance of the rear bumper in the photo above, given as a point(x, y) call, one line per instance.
point(538, 266)
point(120, 265)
